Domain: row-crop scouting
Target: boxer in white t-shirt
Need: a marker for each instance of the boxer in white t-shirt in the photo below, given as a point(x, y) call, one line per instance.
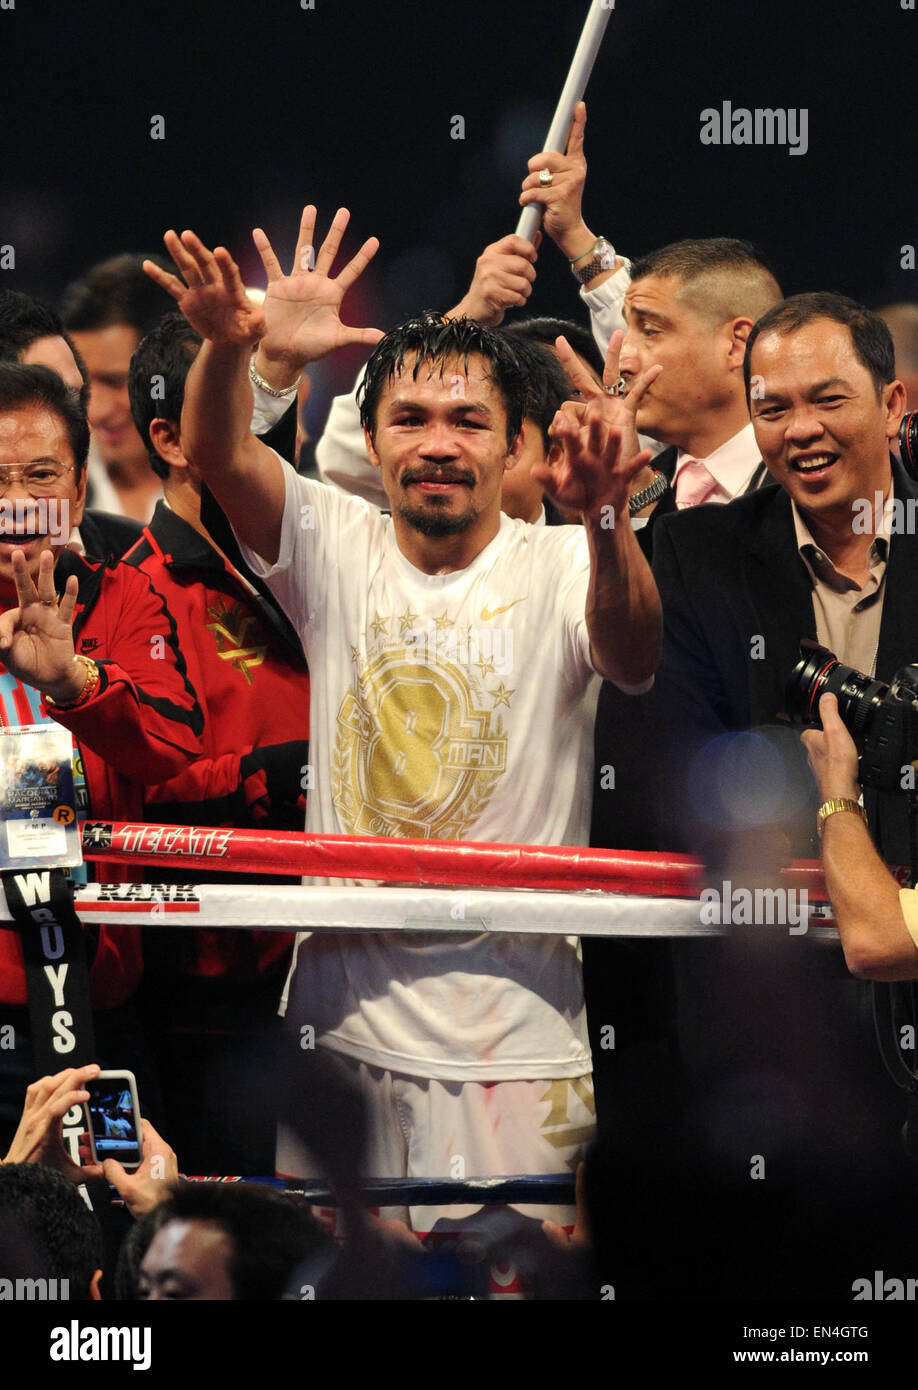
point(454, 658)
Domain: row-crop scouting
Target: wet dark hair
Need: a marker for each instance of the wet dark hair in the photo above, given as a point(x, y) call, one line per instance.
point(434, 341)
point(168, 351)
point(870, 337)
point(33, 385)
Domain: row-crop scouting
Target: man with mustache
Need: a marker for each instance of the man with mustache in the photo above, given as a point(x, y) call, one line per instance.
point(473, 1047)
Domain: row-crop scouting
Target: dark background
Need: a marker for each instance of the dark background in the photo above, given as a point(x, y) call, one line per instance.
point(268, 106)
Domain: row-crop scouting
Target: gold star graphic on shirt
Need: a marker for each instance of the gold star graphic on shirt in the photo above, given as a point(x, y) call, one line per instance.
point(444, 621)
point(407, 620)
point(355, 652)
point(379, 625)
point(501, 696)
point(486, 668)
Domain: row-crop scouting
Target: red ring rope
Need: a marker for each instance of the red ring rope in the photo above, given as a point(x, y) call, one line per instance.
point(454, 862)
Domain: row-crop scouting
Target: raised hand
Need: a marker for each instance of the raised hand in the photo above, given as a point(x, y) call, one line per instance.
point(832, 753)
point(503, 279)
point(302, 309)
point(149, 1184)
point(36, 639)
point(598, 433)
point(562, 198)
point(212, 296)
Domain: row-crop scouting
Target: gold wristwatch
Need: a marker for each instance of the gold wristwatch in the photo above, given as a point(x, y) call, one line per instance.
point(838, 803)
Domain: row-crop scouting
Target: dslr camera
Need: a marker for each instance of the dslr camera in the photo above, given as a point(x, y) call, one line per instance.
point(882, 719)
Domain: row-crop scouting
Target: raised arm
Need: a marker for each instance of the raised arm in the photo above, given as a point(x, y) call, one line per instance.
point(245, 476)
point(865, 896)
point(594, 477)
point(560, 193)
point(134, 706)
point(503, 279)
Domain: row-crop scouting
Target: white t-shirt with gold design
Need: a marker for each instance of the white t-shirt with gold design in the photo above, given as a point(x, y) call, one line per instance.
point(455, 706)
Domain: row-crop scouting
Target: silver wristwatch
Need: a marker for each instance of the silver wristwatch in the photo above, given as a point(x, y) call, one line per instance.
point(653, 493)
point(603, 258)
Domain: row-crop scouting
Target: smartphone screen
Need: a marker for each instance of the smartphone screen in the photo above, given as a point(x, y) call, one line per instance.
point(113, 1118)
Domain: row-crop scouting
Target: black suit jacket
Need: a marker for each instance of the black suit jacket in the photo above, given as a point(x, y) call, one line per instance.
point(631, 982)
point(737, 598)
point(625, 789)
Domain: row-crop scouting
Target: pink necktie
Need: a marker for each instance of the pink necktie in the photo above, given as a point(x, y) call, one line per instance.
point(694, 484)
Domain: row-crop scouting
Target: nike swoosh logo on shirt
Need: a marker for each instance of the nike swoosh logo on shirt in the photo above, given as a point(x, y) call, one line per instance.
point(487, 614)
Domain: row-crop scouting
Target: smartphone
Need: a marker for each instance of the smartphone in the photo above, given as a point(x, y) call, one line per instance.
point(113, 1118)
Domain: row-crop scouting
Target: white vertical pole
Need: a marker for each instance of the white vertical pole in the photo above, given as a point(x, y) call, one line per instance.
point(575, 85)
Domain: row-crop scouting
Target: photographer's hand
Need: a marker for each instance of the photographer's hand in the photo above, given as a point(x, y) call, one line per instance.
point(877, 940)
point(832, 754)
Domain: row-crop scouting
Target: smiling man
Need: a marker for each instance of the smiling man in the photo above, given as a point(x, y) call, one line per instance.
point(90, 655)
point(107, 311)
point(742, 585)
point(476, 1045)
point(825, 412)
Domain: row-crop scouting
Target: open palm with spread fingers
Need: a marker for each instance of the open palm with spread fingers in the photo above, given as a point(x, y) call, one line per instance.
point(303, 309)
point(36, 639)
point(601, 453)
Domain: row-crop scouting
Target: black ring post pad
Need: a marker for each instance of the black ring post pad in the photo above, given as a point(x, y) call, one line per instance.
point(57, 974)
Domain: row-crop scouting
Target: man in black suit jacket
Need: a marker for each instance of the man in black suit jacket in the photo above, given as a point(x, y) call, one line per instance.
point(737, 592)
point(740, 586)
point(731, 577)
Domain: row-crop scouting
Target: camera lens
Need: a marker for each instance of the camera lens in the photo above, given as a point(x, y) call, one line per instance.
point(908, 441)
point(818, 673)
